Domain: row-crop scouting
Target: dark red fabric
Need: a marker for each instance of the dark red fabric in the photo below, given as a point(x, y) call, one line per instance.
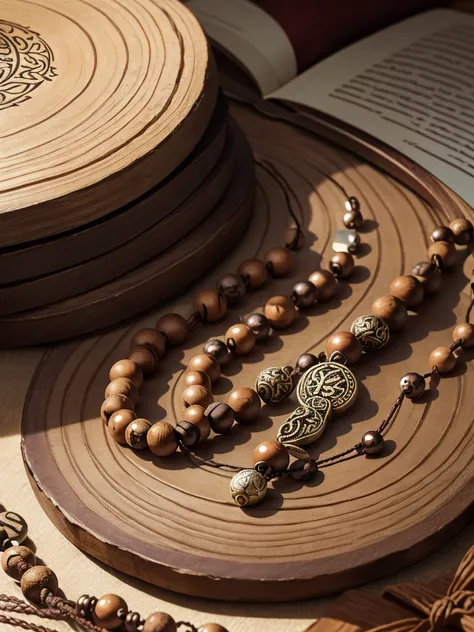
point(317, 28)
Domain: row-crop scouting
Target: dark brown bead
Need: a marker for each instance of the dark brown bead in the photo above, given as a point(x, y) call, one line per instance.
point(197, 378)
point(392, 310)
point(160, 622)
point(37, 582)
point(259, 325)
point(149, 337)
point(428, 275)
point(136, 432)
point(174, 328)
point(110, 612)
point(232, 286)
point(305, 362)
point(197, 394)
point(123, 386)
point(211, 305)
point(408, 289)
point(112, 404)
point(118, 424)
point(303, 469)
point(207, 364)
point(127, 368)
point(444, 252)
point(463, 230)
point(294, 238)
point(279, 261)
point(161, 439)
point(85, 606)
point(346, 343)
point(253, 272)
point(353, 219)
point(240, 339)
point(372, 442)
point(304, 294)
point(342, 264)
point(442, 233)
point(464, 332)
point(145, 357)
point(325, 282)
point(245, 403)
point(196, 415)
point(280, 311)
point(212, 627)
point(188, 433)
point(13, 528)
point(274, 453)
point(221, 417)
point(218, 350)
point(412, 385)
point(443, 359)
point(16, 560)
point(132, 622)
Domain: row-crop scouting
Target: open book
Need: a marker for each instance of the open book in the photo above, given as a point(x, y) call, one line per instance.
point(410, 85)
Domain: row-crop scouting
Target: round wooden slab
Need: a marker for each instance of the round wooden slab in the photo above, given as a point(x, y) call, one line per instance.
point(116, 96)
point(174, 524)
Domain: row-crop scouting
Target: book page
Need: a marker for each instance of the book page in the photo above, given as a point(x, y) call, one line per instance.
point(411, 86)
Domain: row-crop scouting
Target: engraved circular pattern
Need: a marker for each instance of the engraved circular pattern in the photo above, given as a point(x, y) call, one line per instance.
point(331, 380)
point(248, 487)
point(372, 332)
point(274, 384)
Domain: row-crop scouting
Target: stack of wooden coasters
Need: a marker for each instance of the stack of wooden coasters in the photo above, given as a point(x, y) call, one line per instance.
point(122, 177)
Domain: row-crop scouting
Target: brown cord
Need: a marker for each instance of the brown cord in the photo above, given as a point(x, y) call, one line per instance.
point(194, 457)
point(189, 626)
point(65, 609)
point(26, 625)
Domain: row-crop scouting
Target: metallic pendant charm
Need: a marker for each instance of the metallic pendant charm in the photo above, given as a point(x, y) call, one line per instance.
point(346, 240)
point(275, 384)
point(332, 381)
point(372, 331)
point(248, 487)
point(305, 424)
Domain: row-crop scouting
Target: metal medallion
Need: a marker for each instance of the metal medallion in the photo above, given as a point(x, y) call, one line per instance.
point(275, 384)
point(248, 487)
point(372, 331)
point(305, 424)
point(329, 380)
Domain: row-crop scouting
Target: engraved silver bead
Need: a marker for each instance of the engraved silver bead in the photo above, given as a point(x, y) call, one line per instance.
point(372, 332)
point(248, 487)
point(275, 384)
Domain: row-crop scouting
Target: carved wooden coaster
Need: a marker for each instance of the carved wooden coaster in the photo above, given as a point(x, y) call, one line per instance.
point(117, 96)
point(174, 524)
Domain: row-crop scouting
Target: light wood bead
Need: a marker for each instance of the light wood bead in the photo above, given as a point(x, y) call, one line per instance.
point(136, 433)
point(197, 394)
point(245, 403)
point(107, 611)
point(123, 386)
point(253, 272)
point(294, 238)
point(408, 289)
point(342, 264)
point(160, 622)
point(280, 311)
point(443, 359)
point(445, 251)
point(196, 415)
point(464, 332)
point(149, 337)
point(240, 339)
point(211, 305)
point(212, 627)
point(207, 364)
point(279, 261)
point(274, 453)
point(463, 230)
point(161, 439)
point(174, 327)
point(127, 368)
point(346, 343)
point(325, 282)
point(112, 404)
point(35, 580)
point(145, 358)
point(118, 424)
point(197, 378)
point(392, 310)
point(15, 561)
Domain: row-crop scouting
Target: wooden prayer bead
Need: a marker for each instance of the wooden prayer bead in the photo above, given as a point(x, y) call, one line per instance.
point(392, 310)
point(149, 337)
point(442, 233)
point(207, 364)
point(123, 386)
point(161, 439)
point(127, 368)
point(342, 264)
point(110, 612)
point(160, 622)
point(325, 282)
point(196, 415)
point(197, 394)
point(305, 362)
point(408, 289)
point(294, 238)
point(280, 311)
point(220, 416)
point(463, 230)
point(443, 250)
point(145, 358)
point(12, 527)
point(245, 403)
point(346, 343)
point(212, 627)
point(240, 339)
point(15, 561)
point(259, 325)
point(443, 359)
point(112, 404)
point(118, 424)
point(218, 350)
point(304, 294)
point(464, 332)
point(274, 453)
point(211, 304)
point(136, 432)
point(197, 378)
point(353, 219)
point(253, 272)
point(36, 580)
point(428, 275)
point(232, 286)
point(279, 261)
point(174, 327)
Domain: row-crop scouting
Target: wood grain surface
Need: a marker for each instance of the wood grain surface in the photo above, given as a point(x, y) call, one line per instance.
point(175, 525)
point(116, 97)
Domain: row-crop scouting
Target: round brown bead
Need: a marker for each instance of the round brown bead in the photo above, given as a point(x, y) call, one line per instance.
point(305, 362)
point(118, 424)
point(253, 272)
point(294, 238)
point(304, 294)
point(408, 289)
point(232, 286)
point(245, 403)
point(197, 378)
point(211, 304)
point(13, 527)
point(123, 386)
point(218, 350)
point(197, 394)
point(15, 561)
point(428, 275)
point(207, 364)
point(259, 325)
point(212, 627)
point(346, 343)
point(174, 327)
point(342, 264)
point(112, 404)
point(392, 310)
point(442, 233)
point(274, 453)
point(279, 261)
point(110, 612)
point(149, 337)
point(444, 251)
point(463, 230)
point(220, 416)
point(325, 282)
point(196, 415)
point(464, 332)
point(36, 580)
point(240, 339)
point(161, 439)
point(443, 359)
point(127, 368)
point(136, 432)
point(280, 311)
point(160, 622)
point(145, 358)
